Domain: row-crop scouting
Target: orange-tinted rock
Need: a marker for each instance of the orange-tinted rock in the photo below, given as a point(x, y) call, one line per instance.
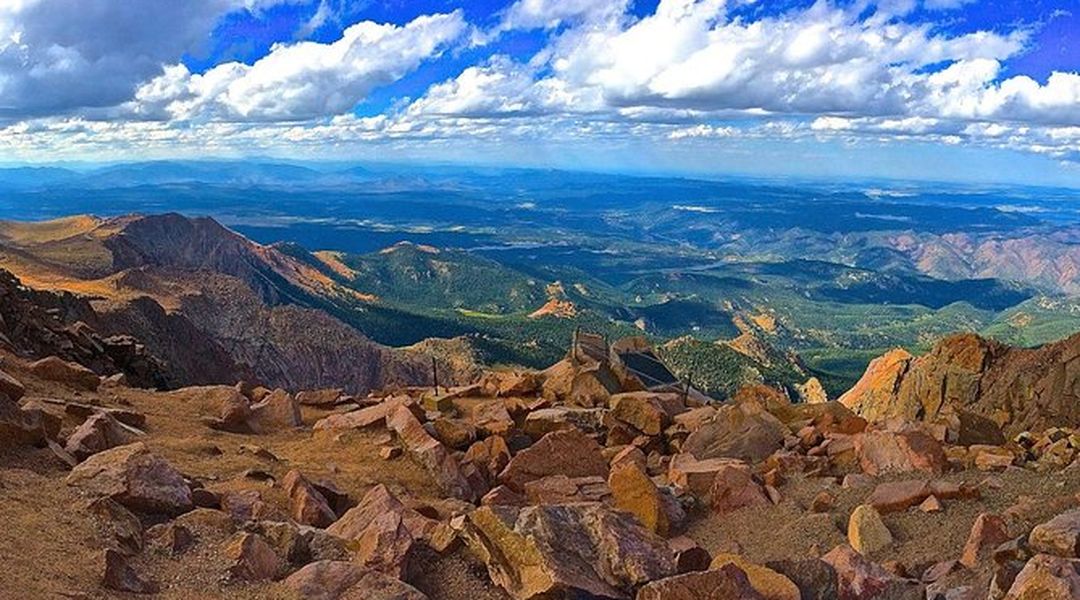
point(135, 478)
point(636, 494)
point(340, 580)
point(886, 452)
point(566, 550)
point(986, 534)
point(378, 532)
point(570, 453)
point(431, 455)
point(560, 489)
point(766, 582)
point(895, 496)
point(1047, 577)
point(860, 579)
point(321, 398)
point(68, 373)
point(1059, 536)
point(490, 456)
point(97, 433)
point(648, 412)
point(277, 412)
point(696, 476)
point(874, 396)
point(734, 488)
point(867, 533)
point(253, 559)
point(742, 431)
point(306, 505)
point(726, 583)
point(370, 416)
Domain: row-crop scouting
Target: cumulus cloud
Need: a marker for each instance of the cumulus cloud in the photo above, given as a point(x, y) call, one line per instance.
point(61, 55)
point(303, 80)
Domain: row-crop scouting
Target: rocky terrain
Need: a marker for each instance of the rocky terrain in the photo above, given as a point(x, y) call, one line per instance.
point(952, 475)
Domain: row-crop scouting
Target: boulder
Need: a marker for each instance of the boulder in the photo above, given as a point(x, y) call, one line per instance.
point(19, 427)
point(694, 476)
point(867, 533)
point(689, 555)
point(68, 373)
point(454, 433)
point(648, 412)
point(491, 417)
point(135, 478)
point(120, 576)
point(490, 456)
point(119, 529)
point(572, 550)
point(728, 582)
point(378, 532)
point(306, 505)
point(744, 431)
point(97, 433)
point(560, 489)
point(860, 579)
point(341, 580)
point(569, 452)
point(320, 398)
point(11, 387)
point(815, 578)
point(277, 412)
point(987, 533)
point(766, 582)
point(1059, 536)
point(252, 558)
point(888, 452)
point(1047, 577)
point(541, 422)
point(636, 494)
point(363, 418)
point(734, 488)
point(431, 455)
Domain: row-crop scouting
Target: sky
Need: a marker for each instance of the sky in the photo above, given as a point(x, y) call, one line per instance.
point(965, 90)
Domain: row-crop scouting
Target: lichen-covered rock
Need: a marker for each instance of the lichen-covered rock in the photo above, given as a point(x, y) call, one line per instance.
point(1059, 536)
point(576, 549)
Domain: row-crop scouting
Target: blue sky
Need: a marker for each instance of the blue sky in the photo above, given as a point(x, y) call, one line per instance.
point(929, 89)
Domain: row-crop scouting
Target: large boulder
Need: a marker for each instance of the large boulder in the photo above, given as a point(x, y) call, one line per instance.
point(770, 584)
point(341, 580)
point(68, 373)
point(24, 427)
point(648, 412)
point(890, 452)
point(370, 416)
point(728, 582)
point(570, 453)
point(97, 433)
point(306, 505)
point(381, 531)
point(431, 455)
point(566, 550)
point(745, 431)
point(11, 387)
point(1059, 536)
point(874, 396)
point(252, 558)
point(860, 579)
point(135, 478)
point(734, 487)
point(279, 411)
point(1047, 577)
point(636, 494)
point(696, 477)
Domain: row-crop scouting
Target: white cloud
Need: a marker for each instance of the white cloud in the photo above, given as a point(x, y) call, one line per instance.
point(303, 80)
point(58, 56)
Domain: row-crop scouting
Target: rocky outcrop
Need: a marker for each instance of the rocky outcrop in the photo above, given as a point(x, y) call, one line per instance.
point(1019, 389)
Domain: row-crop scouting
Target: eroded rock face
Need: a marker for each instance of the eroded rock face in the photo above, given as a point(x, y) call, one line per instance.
point(135, 478)
point(545, 551)
point(1020, 389)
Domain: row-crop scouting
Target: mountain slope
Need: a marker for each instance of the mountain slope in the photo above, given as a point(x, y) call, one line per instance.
point(214, 306)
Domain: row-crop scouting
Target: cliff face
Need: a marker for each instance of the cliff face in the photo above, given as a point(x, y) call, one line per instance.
point(213, 306)
point(1020, 389)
